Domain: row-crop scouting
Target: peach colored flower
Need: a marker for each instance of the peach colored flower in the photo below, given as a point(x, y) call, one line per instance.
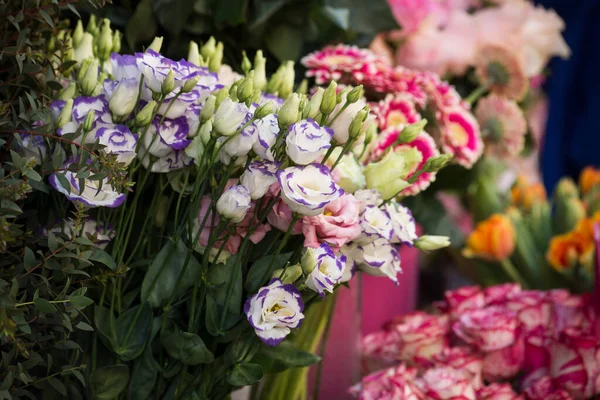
point(338, 225)
point(503, 125)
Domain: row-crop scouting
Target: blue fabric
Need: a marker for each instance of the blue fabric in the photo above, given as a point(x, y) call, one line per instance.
point(573, 130)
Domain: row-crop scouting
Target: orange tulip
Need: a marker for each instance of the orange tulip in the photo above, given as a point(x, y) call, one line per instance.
point(492, 239)
point(524, 194)
point(589, 178)
point(586, 225)
point(570, 248)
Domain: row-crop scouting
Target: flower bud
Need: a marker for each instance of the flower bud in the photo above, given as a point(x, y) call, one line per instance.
point(85, 48)
point(168, 84)
point(493, 239)
point(233, 91)
point(156, 44)
point(329, 99)
point(78, 33)
point(208, 49)
point(68, 92)
point(276, 80)
point(371, 133)
point(436, 163)
point(566, 188)
point(357, 123)
point(287, 83)
point(90, 78)
point(260, 77)
point(355, 94)
point(88, 122)
point(246, 64)
point(303, 87)
point(264, 110)
point(214, 63)
point(288, 114)
point(123, 99)
point(288, 275)
point(190, 84)
point(65, 114)
point(208, 109)
point(429, 242)
point(221, 95)
point(410, 132)
point(116, 42)
point(313, 107)
point(567, 213)
point(245, 89)
point(92, 27)
point(144, 117)
point(196, 149)
point(308, 261)
point(194, 56)
point(104, 41)
point(388, 176)
point(205, 132)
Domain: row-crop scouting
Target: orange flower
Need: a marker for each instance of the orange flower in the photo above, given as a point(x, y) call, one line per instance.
point(589, 178)
point(492, 239)
point(565, 250)
point(525, 195)
point(586, 226)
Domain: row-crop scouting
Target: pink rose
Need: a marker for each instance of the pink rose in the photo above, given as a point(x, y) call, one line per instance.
point(544, 389)
point(504, 363)
point(281, 217)
point(498, 294)
point(421, 336)
point(338, 225)
point(574, 364)
point(446, 383)
point(463, 359)
point(465, 298)
point(489, 329)
point(390, 384)
point(498, 391)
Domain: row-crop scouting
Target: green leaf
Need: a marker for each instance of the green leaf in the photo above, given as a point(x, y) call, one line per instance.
point(263, 268)
point(29, 259)
point(265, 10)
point(291, 356)
point(105, 324)
point(231, 11)
point(133, 328)
point(143, 376)
point(172, 14)
point(367, 17)
point(44, 305)
point(80, 302)
point(160, 282)
point(108, 382)
point(46, 17)
point(339, 16)
point(227, 297)
point(245, 374)
point(285, 42)
point(104, 258)
point(58, 386)
point(141, 27)
point(84, 241)
point(84, 326)
point(52, 244)
point(186, 347)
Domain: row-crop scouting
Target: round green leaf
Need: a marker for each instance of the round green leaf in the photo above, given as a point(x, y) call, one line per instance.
point(108, 382)
point(245, 374)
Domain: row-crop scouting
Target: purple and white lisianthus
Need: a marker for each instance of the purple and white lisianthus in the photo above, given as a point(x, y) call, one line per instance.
point(259, 177)
point(306, 141)
point(368, 197)
point(230, 116)
point(375, 224)
point(240, 144)
point(102, 232)
point(171, 162)
point(234, 203)
point(326, 269)
point(122, 96)
point(155, 68)
point(268, 97)
point(405, 228)
point(163, 138)
point(308, 189)
point(118, 140)
point(274, 311)
point(124, 67)
point(90, 194)
point(268, 130)
point(34, 146)
point(378, 258)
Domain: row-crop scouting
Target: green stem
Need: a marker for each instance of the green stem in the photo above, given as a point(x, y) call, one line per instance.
point(329, 316)
point(513, 273)
point(476, 94)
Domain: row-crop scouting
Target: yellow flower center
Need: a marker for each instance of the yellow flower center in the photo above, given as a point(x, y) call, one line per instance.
point(460, 136)
point(339, 59)
point(396, 118)
point(328, 213)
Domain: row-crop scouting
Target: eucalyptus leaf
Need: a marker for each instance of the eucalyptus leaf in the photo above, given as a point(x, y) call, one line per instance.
point(104, 258)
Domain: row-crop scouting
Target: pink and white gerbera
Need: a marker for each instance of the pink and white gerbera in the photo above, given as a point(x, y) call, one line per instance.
point(332, 62)
point(397, 111)
point(461, 136)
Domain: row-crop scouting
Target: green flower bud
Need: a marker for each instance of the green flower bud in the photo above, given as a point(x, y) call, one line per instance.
point(221, 95)
point(302, 87)
point(208, 109)
point(233, 90)
point(194, 56)
point(357, 123)
point(568, 211)
point(77, 33)
point(260, 77)
point(156, 44)
point(288, 114)
point(116, 42)
point(371, 133)
point(68, 92)
point(104, 41)
point(287, 83)
point(329, 99)
point(92, 26)
point(65, 114)
point(288, 274)
point(205, 132)
point(388, 176)
point(245, 89)
point(434, 164)
point(190, 84)
point(264, 110)
point(208, 49)
point(214, 63)
point(88, 122)
point(196, 149)
point(566, 188)
point(275, 81)
point(246, 64)
point(168, 84)
point(90, 78)
point(308, 262)
point(355, 94)
point(428, 243)
point(410, 132)
point(144, 117)
point(313, 107)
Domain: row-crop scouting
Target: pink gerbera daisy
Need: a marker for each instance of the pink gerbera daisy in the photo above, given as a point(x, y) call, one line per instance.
point(333, 62)
point(460, 136)
point(423, 143)
point(503, 125)
point(396, 111)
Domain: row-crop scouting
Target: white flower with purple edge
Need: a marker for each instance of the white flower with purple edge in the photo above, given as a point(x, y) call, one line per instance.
point(327, 270)
point(230, 116)
point(344, 117)
point(122, 96)
point(102, 232)
point(259, 177)
point(405, 229)
point(172, 134)
point(375, 224)
point(306, 141)
point(34, 146)
point(368, 197)
point(308, 189)
point(266, 97)
point(274, 311)
point(234, 203)
point(124, 67)
point(155, 69)
point(241, 143)
point(170, 162)
point(350, 265)
point(378, 258)
point(268, 130)
point(90, 196)
point(118, 140)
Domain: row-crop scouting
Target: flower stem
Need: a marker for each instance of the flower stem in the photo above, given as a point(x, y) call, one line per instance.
point(513, 273)
point(476, 94)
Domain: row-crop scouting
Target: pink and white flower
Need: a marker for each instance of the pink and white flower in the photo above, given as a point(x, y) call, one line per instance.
point(498, 391)
point(465, 298)
point(396, 111)
point(488, 329)
point(420, 336)
point(338, 225)
point(446, 383)
point(503, 125)
point(462, 359)
point(333, 62)
point(390, 384)
point(461, 137)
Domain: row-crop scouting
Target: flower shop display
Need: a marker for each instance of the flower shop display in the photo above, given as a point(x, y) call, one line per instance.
point(502, 342)
point(168, 224)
